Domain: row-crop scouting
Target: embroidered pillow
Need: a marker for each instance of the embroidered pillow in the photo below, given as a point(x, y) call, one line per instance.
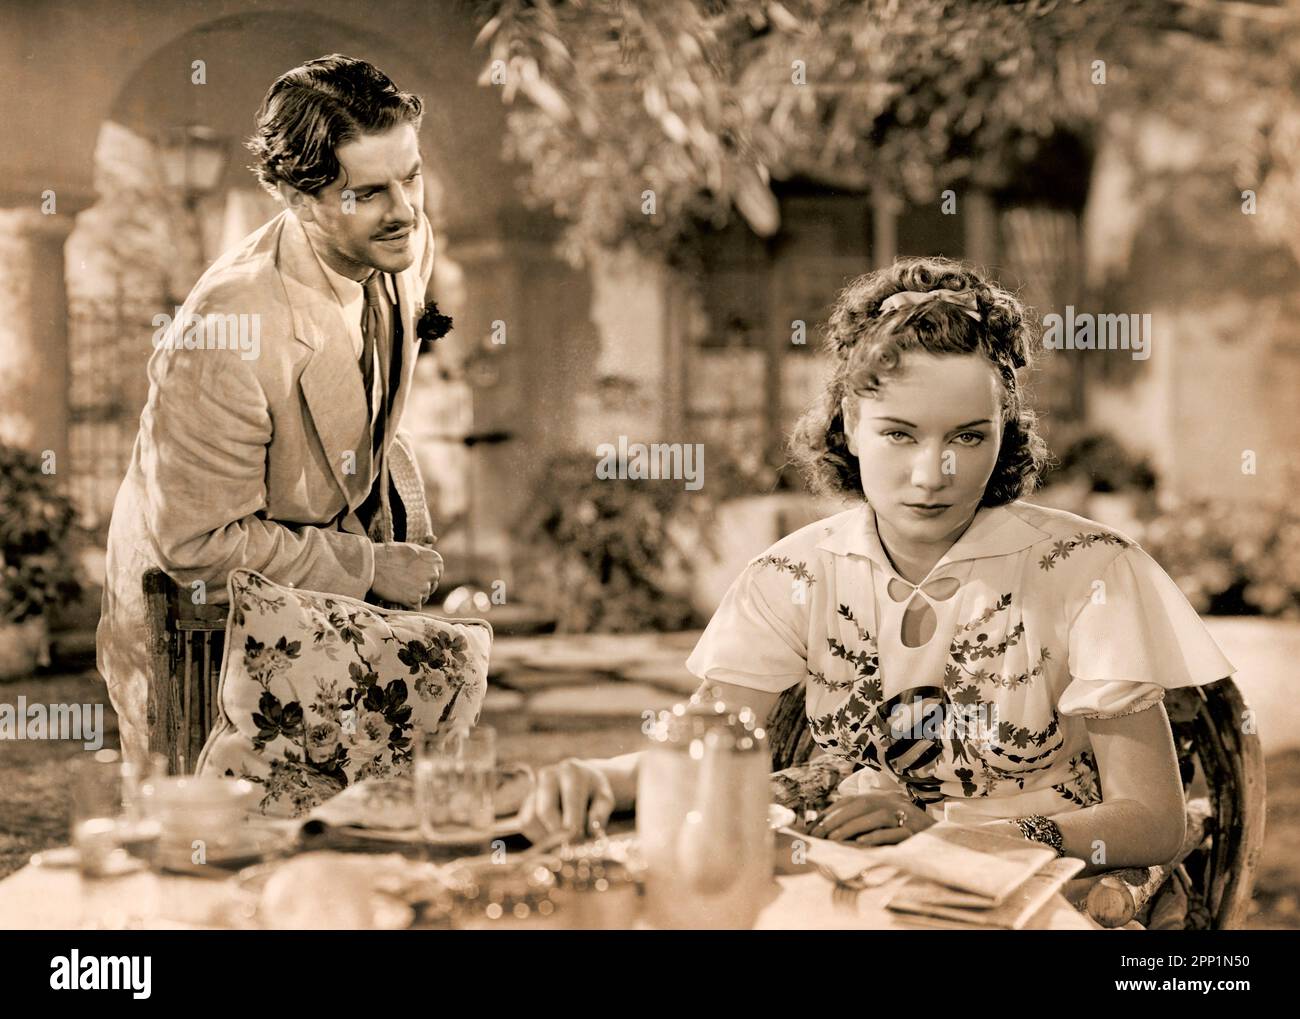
point(318, 691)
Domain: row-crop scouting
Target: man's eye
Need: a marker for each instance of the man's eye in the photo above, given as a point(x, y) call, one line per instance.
point(366, 197)
point(413, 178)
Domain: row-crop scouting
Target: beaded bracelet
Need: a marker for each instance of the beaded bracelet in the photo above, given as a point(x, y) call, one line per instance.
point(1038, 828)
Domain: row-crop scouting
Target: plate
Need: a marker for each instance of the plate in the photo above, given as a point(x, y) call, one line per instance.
point(248, 844)
point(379, 884)
point(502, 828)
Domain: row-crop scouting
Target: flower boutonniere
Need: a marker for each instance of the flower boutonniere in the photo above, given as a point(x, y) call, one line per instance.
point(432, 324)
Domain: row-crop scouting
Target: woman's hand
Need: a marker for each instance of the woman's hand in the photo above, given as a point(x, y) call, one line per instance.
point(572, 796)
point(871, 819)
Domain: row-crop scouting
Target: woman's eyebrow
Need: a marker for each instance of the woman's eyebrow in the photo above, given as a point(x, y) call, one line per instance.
point(955, 428)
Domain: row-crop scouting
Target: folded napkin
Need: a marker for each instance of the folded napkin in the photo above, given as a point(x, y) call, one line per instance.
point(937, 905)
point(843, 859)
point(381, 803)
point(969, 859)
point(388, 804)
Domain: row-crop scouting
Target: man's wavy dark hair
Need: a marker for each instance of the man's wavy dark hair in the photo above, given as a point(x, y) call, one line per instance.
point(312, 110)
point(866, 349)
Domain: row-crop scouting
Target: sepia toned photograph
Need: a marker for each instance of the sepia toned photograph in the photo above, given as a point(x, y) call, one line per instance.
point(651, 465)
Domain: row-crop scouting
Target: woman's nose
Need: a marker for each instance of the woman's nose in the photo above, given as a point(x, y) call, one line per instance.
point(928, 470)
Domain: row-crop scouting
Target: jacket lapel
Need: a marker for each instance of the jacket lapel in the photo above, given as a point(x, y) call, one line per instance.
point(331, 381)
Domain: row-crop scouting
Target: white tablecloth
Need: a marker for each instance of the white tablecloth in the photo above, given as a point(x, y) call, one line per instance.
point(47, 898)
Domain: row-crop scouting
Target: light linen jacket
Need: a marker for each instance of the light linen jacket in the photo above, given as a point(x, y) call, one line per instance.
point(258, 461)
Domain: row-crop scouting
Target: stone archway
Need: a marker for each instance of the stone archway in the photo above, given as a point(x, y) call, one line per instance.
point(131, 66)
point(138, 249)
point(124, 62)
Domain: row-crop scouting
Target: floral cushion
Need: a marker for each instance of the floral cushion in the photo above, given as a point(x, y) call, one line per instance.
point(320, 690)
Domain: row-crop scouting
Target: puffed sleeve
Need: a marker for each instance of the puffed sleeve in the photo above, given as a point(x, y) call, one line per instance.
point(1135, 637)
point(758, 636)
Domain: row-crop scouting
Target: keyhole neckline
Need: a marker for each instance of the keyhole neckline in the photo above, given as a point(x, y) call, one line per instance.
point(942, 561)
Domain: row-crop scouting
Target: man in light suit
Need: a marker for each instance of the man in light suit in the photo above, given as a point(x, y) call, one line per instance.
point(270, 439)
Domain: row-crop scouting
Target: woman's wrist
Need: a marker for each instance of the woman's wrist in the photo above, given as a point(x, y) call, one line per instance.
point(621, 772)
point(1038, 828)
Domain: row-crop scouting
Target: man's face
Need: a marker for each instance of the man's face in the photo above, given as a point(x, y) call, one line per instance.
point(365, 219)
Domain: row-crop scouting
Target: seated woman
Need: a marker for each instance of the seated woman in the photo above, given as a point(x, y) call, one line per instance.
point(974, 657)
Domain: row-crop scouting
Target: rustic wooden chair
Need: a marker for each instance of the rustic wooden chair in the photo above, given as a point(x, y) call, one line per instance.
point(186, 642)
point(1209, 884)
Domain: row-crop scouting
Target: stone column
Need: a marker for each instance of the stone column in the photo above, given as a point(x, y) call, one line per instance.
point(34, 331)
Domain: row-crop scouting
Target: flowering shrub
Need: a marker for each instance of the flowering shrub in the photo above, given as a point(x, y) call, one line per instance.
point(605, 554)
point(37, 531)
point(1231, 559)
point(1100, 461)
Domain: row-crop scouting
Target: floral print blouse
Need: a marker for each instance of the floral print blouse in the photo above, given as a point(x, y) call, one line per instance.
point(1035, 620)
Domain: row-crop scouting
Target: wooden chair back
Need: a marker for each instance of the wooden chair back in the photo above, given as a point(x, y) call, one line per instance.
point(186, 643)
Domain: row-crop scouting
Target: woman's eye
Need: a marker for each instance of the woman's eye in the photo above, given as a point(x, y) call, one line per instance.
point(971, 438)
point(896, 436)
point(413, 178)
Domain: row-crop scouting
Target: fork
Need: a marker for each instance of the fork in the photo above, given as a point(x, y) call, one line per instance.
point(844, 893)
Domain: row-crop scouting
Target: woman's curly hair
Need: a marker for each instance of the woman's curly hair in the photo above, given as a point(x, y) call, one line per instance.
point(866, 348)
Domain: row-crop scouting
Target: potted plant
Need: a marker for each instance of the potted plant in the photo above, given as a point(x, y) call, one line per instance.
point(1097, 476)
point(37, 571)
point(609, 555)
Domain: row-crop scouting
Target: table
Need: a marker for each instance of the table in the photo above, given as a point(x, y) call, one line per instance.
point(46, 898)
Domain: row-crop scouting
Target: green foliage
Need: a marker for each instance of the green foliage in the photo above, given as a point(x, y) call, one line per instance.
point(1100, 461)
point(705, 102)
point(37, 534)
point(611, 555)
point(1230, 558)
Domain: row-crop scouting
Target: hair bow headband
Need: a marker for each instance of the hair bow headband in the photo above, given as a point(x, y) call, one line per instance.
point(915, 299)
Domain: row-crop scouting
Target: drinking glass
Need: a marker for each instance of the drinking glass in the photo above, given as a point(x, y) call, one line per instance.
point(455, 786)
point(116, 837)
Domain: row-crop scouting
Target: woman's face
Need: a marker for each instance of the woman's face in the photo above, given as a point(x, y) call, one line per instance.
point(927, 442)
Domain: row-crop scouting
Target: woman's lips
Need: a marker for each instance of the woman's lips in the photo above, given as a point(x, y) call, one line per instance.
point(931, 510)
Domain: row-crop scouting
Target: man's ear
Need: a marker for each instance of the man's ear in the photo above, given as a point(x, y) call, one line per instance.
point(849, 412)
point(297, 202)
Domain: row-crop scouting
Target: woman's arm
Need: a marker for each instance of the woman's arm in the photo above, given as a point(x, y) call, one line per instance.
point(1143, 819)
point(621, 771)
point(578, 794)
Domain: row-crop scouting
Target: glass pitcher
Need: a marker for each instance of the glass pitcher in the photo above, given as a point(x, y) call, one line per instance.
point(701, 815)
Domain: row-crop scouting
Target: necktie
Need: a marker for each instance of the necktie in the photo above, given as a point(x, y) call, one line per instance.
point(372, 324)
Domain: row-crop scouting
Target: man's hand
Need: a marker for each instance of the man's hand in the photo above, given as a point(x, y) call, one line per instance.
point(405, 573)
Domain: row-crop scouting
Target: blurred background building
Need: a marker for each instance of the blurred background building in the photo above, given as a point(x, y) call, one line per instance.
point(644, 212)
